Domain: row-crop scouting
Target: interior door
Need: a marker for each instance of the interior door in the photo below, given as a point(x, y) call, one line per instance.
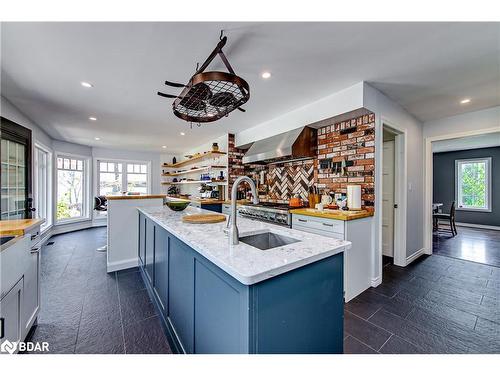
point(388, 199)
point(16, 174)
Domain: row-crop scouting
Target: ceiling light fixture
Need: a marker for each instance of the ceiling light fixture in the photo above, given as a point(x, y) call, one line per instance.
point(163, 146)
point(86, 84)
point(465, 101)
point(182, 133)
point(97, 138)
point(266, 75)
point(91, 118)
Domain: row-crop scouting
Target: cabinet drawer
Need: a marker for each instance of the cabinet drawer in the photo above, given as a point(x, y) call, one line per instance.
point(320, 224)
point(34, 235)
point(338, 236)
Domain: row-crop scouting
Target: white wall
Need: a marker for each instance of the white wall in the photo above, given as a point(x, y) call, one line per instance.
point(386, 109)
point(477, 120)
point(338, 103)
point(9, 111)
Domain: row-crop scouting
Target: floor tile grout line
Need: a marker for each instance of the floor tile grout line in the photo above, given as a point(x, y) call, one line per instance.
point(121, 314)
point(367, 319)
point(386, 341)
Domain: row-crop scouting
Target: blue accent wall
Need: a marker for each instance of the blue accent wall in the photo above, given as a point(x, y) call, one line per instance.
point(444, 184)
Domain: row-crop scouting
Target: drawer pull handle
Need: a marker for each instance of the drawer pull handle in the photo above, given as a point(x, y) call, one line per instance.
point(35, 250)
point(33, 236)
point(2, 324)
point(302, 220)
point(328, 225)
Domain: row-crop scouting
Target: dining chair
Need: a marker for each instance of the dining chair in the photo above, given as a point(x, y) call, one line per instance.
point(450, 218)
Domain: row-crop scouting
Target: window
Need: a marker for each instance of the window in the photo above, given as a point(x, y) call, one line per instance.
point(137, 178)
point(71, 188)
point(473, 184)
point(13, 179)
point(115, 177)
point(43, 197)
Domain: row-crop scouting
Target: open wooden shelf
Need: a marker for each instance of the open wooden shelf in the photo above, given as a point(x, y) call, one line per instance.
point(218, 182)
point(209, 154)
point(194, 170)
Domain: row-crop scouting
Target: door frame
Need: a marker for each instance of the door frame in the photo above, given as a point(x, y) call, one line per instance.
point(20, 134)
point(400, 193)
point(429, 169)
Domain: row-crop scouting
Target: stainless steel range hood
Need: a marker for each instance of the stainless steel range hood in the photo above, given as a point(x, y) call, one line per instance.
point(295, 144)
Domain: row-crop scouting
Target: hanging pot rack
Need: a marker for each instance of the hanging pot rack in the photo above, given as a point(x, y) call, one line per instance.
point(212, 95)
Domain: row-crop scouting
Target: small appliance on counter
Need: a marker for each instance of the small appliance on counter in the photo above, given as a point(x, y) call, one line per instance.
point(296, 202)
point(354, 197)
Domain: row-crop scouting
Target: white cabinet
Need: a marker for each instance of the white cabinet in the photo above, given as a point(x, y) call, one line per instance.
point(31, 293)
point(11, 324)
point(20, 285)
point(357, 259)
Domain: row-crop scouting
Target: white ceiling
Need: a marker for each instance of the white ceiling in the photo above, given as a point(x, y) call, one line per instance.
point(427, 67)
point(467, 143)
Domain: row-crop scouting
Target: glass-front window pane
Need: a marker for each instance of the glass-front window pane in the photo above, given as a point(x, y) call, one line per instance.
point(110, 183)
point(472, 184)
point(13, 176)
point(137, 183)
point(69, 194)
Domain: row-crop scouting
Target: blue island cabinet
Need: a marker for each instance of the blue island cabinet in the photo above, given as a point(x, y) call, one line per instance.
point(205, 310)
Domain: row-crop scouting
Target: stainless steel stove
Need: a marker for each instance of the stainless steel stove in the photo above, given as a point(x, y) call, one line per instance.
point(276, 213)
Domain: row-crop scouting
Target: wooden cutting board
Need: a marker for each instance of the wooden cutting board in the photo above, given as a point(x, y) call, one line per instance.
point(204, 218)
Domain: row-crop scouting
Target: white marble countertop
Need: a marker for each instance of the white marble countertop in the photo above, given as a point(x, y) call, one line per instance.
point(246, 263)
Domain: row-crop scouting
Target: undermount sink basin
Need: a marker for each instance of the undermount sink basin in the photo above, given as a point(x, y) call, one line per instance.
point(267, 240)
point(5, 239)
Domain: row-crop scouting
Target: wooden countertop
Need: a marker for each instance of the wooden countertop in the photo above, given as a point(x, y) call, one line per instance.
point(144, 196)
point(333, 214)
point(199, 200)
point(18, 227)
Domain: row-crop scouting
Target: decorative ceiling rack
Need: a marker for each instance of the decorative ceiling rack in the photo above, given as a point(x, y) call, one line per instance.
point(212, 95)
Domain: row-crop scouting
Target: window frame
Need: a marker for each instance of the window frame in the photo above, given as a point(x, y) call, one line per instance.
point(86, 216)
point(48, 188)
point(124, 163)
point(458, 190)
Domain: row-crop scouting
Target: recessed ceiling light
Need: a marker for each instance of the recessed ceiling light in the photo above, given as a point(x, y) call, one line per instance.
point(266, 75)
point(91, 118)
point(86, 84)
point(163, 146)
point(97, 138)
point(465, 101)
point(182, 133)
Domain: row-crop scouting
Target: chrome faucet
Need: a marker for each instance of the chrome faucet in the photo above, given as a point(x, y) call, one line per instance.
point(233, 232)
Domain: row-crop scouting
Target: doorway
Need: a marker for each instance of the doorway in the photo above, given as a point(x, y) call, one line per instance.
point(393, 192)
point(16, 194)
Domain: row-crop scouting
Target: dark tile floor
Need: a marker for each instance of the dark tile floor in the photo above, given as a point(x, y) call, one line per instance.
point(437, 304)
point(476, 245)
point(86, 310)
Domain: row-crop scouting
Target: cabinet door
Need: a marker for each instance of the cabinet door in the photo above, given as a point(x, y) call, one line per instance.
point(161, 268)
point(181, 292)
point(31, 290)
point(150, 250)
point(10, 314)
point(142, 240)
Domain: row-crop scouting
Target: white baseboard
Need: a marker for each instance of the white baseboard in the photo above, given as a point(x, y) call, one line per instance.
point(415, 255)
point(122, 265)
point(376, 281)
point(479, 226)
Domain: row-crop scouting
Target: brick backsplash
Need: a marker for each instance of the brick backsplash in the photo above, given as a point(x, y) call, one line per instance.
point(346, 155)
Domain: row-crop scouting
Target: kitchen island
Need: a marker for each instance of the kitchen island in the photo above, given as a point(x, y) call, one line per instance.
point(214, 297)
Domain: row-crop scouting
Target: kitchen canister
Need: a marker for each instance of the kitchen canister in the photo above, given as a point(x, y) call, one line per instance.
point(354, 197)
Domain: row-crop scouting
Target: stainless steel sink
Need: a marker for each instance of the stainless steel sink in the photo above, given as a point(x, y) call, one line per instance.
point(267, 240)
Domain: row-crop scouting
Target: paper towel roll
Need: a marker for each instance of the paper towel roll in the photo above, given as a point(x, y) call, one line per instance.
point(354, 197)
